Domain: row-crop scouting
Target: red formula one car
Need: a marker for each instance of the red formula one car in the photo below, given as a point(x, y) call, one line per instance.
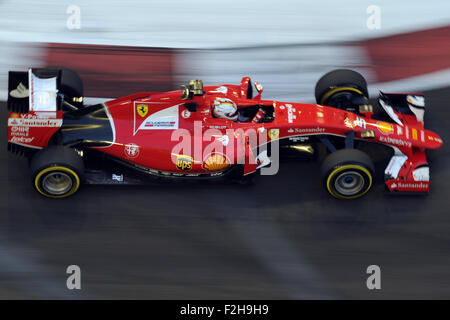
point(178, 135)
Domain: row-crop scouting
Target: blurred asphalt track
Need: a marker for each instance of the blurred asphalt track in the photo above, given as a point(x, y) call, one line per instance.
point(283, 238)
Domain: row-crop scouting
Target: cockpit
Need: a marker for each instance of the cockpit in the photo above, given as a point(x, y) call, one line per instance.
point(245, 108)
point(256, 113)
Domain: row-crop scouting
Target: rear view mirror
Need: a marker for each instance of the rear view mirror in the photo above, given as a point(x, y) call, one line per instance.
point(185, 93)
point(194, 88)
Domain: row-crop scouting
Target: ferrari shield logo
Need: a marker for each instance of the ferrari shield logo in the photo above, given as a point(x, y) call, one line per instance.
point(274, 134)
point(142, 110)
point(155, 117)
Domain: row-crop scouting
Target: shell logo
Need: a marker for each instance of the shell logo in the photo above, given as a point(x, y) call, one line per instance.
point(215, 162)
point(385, 127)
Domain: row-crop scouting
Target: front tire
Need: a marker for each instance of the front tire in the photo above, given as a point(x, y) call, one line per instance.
point(57, 171)
point(347, 173)
point(342, 89)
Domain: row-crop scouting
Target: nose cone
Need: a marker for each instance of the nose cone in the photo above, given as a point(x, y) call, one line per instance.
point(434, 141)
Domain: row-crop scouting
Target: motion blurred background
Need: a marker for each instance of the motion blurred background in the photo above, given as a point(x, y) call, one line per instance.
point(120, 47)
point(282, 238)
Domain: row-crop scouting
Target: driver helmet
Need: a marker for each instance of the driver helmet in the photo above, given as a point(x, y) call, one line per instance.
point(225, 109)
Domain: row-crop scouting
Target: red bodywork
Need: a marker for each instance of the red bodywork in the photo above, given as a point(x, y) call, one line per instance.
point(153, 143)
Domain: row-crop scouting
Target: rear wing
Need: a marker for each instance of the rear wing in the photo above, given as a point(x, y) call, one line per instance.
point(34, 90)
point(35, 110)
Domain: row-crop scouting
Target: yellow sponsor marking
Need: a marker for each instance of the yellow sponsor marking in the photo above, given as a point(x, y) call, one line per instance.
point(414, 133)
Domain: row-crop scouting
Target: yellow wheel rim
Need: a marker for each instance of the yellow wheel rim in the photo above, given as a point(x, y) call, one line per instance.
point(65, 171)
point(347, 167)
point(336, 90)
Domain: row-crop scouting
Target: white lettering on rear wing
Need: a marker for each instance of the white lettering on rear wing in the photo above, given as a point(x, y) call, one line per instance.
point(42, 93)
point(12, 122)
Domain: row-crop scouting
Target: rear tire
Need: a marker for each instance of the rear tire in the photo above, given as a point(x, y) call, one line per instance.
point(339, 87)
point(57, 171)
point(347, 173)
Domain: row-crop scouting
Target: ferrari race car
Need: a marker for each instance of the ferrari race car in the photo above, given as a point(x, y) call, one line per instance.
point(177, 135)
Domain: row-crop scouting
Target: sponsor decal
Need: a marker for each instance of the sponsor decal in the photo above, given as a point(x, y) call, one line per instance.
point(142, 109)
point(236, 142)
point(414, 133)
point(117, 177)
point(399, 130)
point(307, 130)
point(274, 134)
point(410, 185)
point(385, 127)
point(20, 131)
point(397, 142)
point(185, 114)
point(34, 122)
point(215, 162)
point(20, 92)
point(348, 123)
point(159, 119)
point(184, 163)
point(13, 122)
point(290, 112)
point(131, 150)
point(21, 139)
point(28, 116)
point(360, 122)
point(296, 139)
point(45, 114)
